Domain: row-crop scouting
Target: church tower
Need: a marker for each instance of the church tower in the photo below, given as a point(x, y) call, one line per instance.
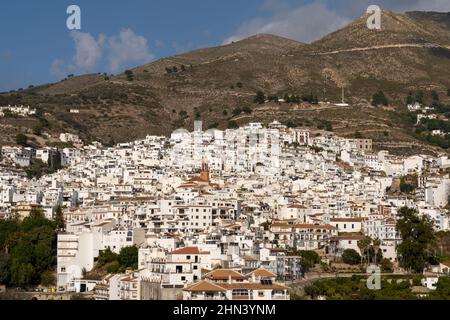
point(205, 170)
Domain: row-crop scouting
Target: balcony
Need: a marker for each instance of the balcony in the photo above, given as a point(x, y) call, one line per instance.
point(207, 298)
point(280, 297)
point(240, 298)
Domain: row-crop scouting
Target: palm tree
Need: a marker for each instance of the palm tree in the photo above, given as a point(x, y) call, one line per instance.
point(364, 246)
point(361, 246)
point(376, 248)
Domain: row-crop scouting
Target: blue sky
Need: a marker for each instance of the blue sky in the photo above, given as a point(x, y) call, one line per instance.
point(36, 46)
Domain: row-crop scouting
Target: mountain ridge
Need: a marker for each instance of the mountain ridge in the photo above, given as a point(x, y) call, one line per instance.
point(211, 83)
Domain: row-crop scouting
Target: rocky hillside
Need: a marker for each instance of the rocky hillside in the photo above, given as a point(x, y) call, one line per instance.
point(411, 53)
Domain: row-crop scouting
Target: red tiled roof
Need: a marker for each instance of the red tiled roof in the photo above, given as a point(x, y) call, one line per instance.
point(187, 250)
point(224, 274)
point(346, 219)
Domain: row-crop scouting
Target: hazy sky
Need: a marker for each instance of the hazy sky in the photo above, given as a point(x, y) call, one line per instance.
point(36, 46)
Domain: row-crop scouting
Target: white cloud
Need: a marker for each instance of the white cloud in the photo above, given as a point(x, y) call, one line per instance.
point(88, 51)
point(312, 21)
point(58, 68)
point(404, 5)
point(305, 23)
point(119, 51)
point(128, 47)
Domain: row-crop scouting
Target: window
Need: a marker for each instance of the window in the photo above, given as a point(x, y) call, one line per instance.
point(195, 267)
point(240, 292)
point(188, 257)
point(260, 294)
point(183, 278)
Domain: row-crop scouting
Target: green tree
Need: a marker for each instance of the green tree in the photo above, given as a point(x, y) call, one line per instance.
point(417, 236)
point(27, 249)
point(379, 98)
point(59, 219)
point(113, 267)
point(183, 114)
point(42, 256)
point(351, 257)
point(387, 266)
point(287, 98)
point(129, 75)
point(313, 291)
point(410, 99)
point(419, 96)
point(233, 125)
point(106, 256)
point(442, 289)
point(364, 246)
point(406, 187)
point(37, 129)
point(260, 97)
point(21, 139)
point(309, 259)
point(247, 110)
point(22, 274)
point(78, 296)
point(376, 244)
point(48, 279)
point(236, 111)
point(272, 98)
point(128, 257)
point(434, 95)
point(5, 273)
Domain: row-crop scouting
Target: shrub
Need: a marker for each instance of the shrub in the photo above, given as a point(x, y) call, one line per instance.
point(128, 257)
point(48, 279)
point(387, 266)
point(260, 97)
point(350, 256)
point(233, 125)
point(247, 110)
point(237, 111)
point(312, 291)
point(113, 267)
point(21, 139)
point(379, 98)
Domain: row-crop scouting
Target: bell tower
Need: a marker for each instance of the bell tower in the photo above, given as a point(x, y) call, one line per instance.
point(205, 170)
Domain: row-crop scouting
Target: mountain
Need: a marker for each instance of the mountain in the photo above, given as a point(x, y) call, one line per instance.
point(410, 53)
